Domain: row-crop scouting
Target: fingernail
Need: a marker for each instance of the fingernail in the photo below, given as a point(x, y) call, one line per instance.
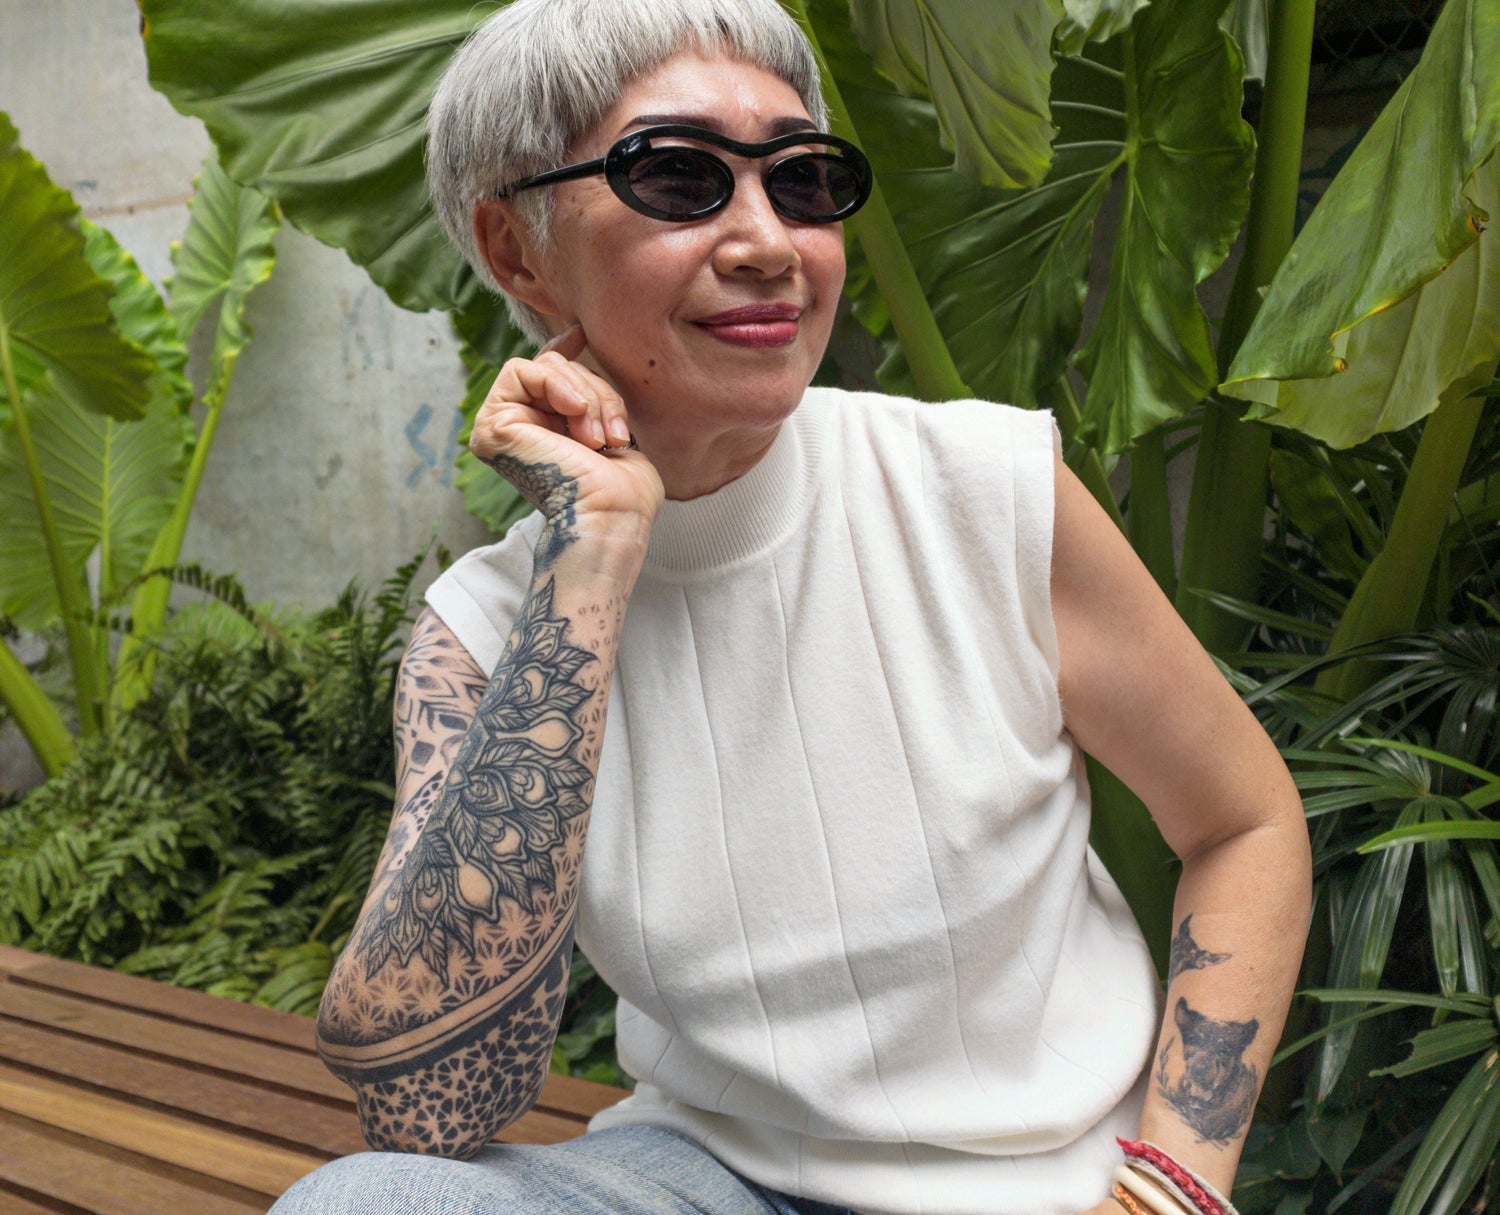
point(619, 433)
point(596, 432)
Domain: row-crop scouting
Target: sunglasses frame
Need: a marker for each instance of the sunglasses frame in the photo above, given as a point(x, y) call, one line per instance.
point(630, 149)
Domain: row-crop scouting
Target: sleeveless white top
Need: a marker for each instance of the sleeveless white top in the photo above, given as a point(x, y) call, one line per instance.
point(837, 868)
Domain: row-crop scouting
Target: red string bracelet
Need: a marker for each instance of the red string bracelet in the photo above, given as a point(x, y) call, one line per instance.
point(1192, 1187)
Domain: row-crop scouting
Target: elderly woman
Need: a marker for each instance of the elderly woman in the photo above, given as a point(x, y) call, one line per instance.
point(778, 699)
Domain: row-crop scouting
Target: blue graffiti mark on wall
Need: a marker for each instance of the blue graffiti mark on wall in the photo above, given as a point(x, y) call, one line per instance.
point(435, 460)
point(367, 319)
point(414, 429)
point(454, 430)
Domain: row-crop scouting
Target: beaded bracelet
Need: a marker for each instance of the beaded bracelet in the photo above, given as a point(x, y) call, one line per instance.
point(1124, 1198)
point(1150, 1196)
point(1178, 1180)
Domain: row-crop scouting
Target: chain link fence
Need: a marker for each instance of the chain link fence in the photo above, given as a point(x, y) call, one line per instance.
point(1361, 45)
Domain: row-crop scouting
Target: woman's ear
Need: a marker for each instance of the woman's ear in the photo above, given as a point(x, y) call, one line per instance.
point(510, 253)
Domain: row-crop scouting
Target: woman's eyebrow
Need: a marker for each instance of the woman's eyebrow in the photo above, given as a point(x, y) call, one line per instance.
point(778, 126)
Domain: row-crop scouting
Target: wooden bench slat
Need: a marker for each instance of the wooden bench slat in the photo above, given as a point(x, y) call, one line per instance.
point(105, 1181)
point(254, 1061)
point(578, 1098)
point(14, 1202)
point(148, 996)
point(240, 1160)
point(317, 1122)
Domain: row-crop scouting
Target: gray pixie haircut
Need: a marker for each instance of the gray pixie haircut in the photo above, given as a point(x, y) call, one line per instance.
point(538, 74)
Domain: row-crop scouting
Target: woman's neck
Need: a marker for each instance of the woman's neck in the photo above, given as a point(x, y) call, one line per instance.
point(693, 465)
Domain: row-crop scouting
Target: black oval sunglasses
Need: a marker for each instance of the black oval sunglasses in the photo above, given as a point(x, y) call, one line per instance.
point(680, 183)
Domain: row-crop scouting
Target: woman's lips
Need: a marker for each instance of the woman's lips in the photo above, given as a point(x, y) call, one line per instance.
point(758, 325)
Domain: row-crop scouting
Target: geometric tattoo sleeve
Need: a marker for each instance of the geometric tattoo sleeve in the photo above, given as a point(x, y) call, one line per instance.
point(443, 1010)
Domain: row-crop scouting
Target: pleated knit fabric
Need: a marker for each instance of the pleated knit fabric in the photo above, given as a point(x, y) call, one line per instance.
point(837, 868)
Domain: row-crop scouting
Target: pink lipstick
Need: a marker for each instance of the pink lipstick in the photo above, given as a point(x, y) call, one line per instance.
point(756, 325)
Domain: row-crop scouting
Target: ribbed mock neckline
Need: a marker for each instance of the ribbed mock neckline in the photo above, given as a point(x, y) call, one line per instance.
point(749, 517)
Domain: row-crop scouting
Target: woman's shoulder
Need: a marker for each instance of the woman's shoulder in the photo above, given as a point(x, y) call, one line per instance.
point(479, 595)
point(968, 429)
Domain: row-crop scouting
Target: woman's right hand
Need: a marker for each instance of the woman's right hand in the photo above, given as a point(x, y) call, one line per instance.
point(541, 427)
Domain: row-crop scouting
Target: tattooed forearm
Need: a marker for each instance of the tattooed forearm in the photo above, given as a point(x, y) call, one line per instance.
point(1206, 1079)
point(446, 1000)
point(1185, 952)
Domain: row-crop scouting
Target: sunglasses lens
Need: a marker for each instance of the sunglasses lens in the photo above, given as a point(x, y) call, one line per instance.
point(815, 187)
point(681, 183)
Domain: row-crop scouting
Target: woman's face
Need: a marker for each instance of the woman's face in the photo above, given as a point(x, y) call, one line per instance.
point(657, 299)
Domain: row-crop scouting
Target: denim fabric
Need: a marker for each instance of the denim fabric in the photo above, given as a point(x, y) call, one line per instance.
point(631, 1170)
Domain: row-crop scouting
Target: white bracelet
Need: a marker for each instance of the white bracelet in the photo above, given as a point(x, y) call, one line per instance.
point(1150, 1194)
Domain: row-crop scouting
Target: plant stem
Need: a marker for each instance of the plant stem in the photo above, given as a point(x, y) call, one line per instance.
point(35, 713)
point(1149, 522)
point(1226, 506)
point(1387, 599)
point(1069, 414)
point(72, 590)
point(148, 607)
point(917, 329)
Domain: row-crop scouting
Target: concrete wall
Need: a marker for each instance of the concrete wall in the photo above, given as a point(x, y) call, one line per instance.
point(333, 459)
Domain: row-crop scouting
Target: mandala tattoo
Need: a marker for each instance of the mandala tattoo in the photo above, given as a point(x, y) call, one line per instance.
point(443, 1011)
point(1212, 1088)
point(514, 784)
point(552, 492)
point(1186, 955)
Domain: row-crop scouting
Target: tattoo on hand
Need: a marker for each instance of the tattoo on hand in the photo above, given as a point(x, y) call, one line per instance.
point(1211, 1087)
point(1186, 955)
point(552, 492)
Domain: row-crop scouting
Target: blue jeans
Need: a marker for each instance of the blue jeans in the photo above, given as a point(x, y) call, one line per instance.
point(629, 1170)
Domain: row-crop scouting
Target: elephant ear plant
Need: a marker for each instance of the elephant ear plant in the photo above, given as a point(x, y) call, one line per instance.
point(100, 459)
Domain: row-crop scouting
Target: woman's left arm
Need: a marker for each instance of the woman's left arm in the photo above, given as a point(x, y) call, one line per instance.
point(1141, 695)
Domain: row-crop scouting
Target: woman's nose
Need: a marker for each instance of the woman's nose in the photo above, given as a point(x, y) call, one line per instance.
point(755, 240)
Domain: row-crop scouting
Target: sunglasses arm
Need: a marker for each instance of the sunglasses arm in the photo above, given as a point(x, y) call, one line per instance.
point(569, 173)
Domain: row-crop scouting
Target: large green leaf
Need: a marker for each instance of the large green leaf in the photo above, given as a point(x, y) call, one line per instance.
point(320, 105)
point(1435, 345)
point(1006, 270)
point(1359, 956)
point(111, 484)
point(54, 309)
point(227, 251)
point(487, 495)
point(1094, 21)
point(1188, 155)
point(1384, 284)
point(1459, 1146)
point(989, 88)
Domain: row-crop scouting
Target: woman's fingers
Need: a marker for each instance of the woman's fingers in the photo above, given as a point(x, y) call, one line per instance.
point(569, 345)
point(554, 391)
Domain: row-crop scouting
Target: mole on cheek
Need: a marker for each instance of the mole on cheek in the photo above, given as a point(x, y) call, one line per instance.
point(653, 362)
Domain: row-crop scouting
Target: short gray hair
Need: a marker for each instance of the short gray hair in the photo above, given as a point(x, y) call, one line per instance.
point(539, 73)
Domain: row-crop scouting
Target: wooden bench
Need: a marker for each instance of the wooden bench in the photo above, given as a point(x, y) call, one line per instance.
point(122, 1096)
